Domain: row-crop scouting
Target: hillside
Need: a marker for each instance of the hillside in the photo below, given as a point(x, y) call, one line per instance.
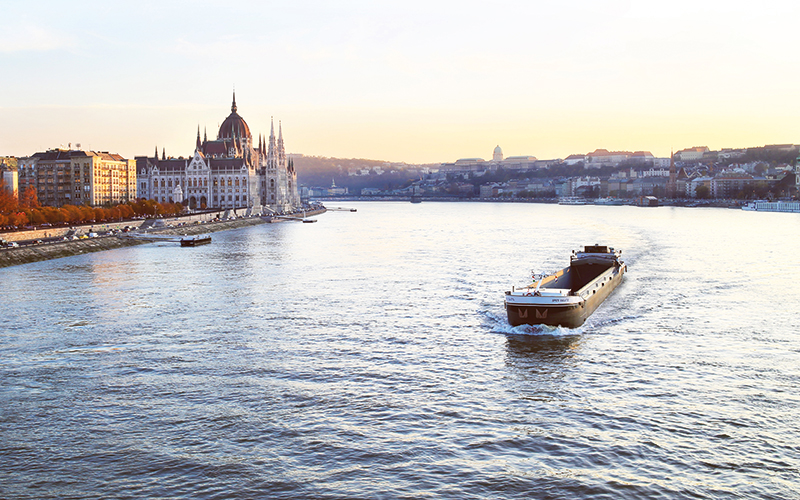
point(354, 173)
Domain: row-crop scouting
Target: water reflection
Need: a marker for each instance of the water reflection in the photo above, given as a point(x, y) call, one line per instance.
point(539, 364)
point(541, 349)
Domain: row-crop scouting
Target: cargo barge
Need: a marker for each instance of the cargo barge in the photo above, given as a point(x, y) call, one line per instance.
point(193, 241)
point(566, 298)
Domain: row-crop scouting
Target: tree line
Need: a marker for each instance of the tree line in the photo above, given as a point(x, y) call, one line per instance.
point(17, 213)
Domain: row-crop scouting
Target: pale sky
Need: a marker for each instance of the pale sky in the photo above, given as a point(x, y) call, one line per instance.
point(414, 81)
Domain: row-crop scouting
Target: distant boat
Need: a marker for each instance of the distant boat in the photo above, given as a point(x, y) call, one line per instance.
point(572, 200)
point(647, 201)
point(609, 201)
point(416, 198)
point(569, 296)
point(193, 241)
point(773, 206)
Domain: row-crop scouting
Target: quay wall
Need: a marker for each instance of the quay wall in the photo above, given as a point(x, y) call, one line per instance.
point(26, 254)
point(59, 232)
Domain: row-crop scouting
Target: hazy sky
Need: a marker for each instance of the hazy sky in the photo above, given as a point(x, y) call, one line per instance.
point(401, 80)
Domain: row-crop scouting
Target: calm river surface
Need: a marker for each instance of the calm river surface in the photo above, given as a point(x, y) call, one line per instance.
point(368, 356)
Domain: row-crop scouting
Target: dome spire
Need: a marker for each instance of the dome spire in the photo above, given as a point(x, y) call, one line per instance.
point(233, 105)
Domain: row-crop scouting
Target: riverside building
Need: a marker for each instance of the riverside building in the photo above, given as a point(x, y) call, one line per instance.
point(74, 177)
point(229, 172)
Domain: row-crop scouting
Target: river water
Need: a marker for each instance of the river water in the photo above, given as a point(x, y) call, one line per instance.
point(368, 356)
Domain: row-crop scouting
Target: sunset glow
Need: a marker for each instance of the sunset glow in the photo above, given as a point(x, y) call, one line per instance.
point(402, 81)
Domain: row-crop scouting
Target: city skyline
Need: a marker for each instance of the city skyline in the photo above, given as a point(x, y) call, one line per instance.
point(414, 82)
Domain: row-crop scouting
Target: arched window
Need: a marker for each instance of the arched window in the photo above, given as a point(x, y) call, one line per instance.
point(237, 182)
point(205, 182)
point(230, 182)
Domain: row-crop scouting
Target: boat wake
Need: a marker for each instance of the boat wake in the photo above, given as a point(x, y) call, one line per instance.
point(610, 321)
point(497, 323)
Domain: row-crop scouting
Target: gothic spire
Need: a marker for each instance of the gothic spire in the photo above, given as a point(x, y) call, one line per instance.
point(233, 106)
point(163, 153)
point(155, 155)
point(205, 137)
point(281, 152)
point(197, 147)
point(271, 128)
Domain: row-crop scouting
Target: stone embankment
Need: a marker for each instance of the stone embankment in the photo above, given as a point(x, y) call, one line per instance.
point(26, 254)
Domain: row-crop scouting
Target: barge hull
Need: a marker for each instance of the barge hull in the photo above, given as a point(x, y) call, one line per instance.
point(567, 315)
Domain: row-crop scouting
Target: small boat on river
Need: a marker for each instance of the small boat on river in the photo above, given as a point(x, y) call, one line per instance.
point(772, 206)
point(193, 241)
point(569, 296)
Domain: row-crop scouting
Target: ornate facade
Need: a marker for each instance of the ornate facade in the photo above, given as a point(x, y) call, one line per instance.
point(227, 173)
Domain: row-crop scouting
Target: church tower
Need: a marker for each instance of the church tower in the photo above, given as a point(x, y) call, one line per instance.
point(672, 185)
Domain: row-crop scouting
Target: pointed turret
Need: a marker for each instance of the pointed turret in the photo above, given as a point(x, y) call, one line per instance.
point(155, 155)
point(281, 151)
point(198, 145)
point(233, 105)
point(205, 136)
point(163, 154)
point(271, 148)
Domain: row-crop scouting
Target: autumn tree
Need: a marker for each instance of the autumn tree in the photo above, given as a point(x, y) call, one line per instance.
point(72, 214)
point(29, 198)
point(7, 201)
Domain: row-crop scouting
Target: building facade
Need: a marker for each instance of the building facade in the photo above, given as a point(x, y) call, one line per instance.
point(73, 177)
point(229, 172)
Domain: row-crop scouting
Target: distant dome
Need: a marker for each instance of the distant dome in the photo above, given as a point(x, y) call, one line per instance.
point(498, 154)
point(234, 125)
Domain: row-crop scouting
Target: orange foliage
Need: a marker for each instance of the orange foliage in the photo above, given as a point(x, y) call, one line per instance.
point(29, 198)
point(13, 213)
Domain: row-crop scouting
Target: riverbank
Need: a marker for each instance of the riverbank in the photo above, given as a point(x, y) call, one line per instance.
point(56, 250)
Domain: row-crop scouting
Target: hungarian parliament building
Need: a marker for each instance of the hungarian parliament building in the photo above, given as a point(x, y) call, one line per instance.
point(227, 173)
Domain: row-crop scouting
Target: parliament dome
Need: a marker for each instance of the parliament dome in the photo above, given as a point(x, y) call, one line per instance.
point(234, 125)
